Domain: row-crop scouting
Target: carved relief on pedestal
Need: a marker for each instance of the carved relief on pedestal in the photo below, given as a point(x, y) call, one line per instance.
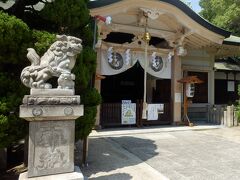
point(37, 111)
point(52, 147)
point(45, 100)
point(51, 160)
point(50, 138)
point(68, 111)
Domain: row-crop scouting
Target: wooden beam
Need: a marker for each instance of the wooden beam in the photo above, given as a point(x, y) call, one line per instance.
point(201, 38)
point(163, 33)
point(123, 47)
point(198, 41)
point(188, 41)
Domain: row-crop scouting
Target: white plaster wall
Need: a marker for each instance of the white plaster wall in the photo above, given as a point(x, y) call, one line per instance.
point(238, 77)
point(197, 59)
point(222, 75)
point(230, 76)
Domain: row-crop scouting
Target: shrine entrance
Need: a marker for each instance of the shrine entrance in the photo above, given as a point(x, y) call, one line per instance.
point(125, 86)
point(128, 86)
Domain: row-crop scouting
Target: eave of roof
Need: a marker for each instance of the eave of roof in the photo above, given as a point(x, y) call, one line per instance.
point(223, 66)
point(232, 40)
point(179, 4)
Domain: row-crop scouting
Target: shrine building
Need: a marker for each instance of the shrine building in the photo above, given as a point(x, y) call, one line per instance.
point(144, 47)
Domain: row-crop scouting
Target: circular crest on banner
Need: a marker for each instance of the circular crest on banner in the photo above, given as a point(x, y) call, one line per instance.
point(116, 62)
point(157, 64)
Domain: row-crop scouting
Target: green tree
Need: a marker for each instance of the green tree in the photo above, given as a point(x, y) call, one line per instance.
point(222, 13)
point(66, 16)
point(15, 37)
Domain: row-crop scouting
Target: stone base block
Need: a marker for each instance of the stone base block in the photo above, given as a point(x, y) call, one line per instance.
point(55, 92)
point(51, 148)
point(76, 175)
point(50, 112)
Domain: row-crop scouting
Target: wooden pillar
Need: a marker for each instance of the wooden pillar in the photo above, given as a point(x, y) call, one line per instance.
point(98, 86)
point(235, 86)
point(176, 88)
point(211, 83)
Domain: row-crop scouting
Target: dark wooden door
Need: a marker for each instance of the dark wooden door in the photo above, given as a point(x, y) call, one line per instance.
point(201, 90)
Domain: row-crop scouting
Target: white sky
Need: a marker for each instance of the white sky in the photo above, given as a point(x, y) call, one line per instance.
point(195, 5)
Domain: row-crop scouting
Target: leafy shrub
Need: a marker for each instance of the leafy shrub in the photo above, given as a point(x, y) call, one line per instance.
point(85, 123)
point(91, 97)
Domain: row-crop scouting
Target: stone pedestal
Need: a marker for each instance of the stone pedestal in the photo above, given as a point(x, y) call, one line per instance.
point(51, 134)
point(76, 175)
point(51, 147)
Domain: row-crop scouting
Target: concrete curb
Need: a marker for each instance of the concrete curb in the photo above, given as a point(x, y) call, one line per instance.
point(159, 129)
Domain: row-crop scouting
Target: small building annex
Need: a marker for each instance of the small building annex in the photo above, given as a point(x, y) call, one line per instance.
point(144, 47)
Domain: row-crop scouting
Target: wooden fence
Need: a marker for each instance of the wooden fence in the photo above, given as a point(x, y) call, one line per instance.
point(111, 115)
point(217, 114)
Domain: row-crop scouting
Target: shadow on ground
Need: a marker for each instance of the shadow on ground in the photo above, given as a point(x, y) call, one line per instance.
point(117, 176)
point(105, 155)
point(116, 153)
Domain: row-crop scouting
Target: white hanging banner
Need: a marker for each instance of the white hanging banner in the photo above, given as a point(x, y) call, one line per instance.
point(128, 113)
point(153, 110)
point(159, 67)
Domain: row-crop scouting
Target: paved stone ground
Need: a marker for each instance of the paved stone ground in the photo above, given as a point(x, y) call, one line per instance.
point(177, 155)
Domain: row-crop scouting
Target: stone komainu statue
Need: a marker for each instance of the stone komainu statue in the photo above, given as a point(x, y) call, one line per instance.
point(58, 61)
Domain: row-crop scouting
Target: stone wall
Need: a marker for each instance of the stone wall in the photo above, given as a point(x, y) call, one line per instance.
point(223, 115)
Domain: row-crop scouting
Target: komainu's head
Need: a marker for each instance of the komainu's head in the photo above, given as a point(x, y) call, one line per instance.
point(73, 45)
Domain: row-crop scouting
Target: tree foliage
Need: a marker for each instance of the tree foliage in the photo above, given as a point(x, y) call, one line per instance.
point(90, 99)
point(15, 37)
point(222, 13)
point(66, 15)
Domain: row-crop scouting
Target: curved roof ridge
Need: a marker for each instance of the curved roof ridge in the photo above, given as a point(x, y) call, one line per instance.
point(179, 4)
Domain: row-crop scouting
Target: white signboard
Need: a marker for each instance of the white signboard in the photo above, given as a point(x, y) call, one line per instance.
point(231, 86)
point(128, 113)
point(126, 101)
point(178, 97)
point(153, 110)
